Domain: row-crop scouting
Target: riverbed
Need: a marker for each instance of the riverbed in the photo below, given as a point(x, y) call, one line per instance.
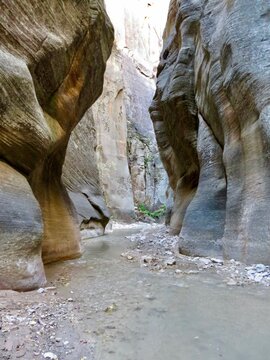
point(105, 306)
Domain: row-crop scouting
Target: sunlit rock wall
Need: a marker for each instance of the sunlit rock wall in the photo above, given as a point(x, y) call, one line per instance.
point(118, 127)
point(211, 116)
point(52, 60)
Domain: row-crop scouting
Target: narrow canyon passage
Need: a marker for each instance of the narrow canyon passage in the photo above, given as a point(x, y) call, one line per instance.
point(107, 307)
point(134, 185)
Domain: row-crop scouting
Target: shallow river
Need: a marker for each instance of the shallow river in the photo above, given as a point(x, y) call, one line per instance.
point(158, 316)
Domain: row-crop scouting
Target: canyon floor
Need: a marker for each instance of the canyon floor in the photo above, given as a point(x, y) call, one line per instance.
point(131, 296)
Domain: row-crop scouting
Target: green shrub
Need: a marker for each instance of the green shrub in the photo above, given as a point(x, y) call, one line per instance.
point(153, 214)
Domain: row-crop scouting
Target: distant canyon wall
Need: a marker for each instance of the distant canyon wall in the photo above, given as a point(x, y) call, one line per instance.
point(113, 151)
point(52, 61)
point(211, 116)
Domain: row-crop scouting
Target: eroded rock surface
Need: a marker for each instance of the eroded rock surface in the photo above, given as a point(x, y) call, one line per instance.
point(52, 61)
point(116, 134)
point(211, 118)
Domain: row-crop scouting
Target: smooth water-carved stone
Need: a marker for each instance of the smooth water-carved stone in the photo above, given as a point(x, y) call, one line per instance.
point(214, 70)
point(21, 267)
point(52, 61)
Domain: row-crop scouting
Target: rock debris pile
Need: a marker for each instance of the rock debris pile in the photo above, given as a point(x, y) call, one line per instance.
point(158, 251)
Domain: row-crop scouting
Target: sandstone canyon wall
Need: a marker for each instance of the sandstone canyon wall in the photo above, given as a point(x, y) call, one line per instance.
point(52, 61)
point(115, 140)
point(211, 116)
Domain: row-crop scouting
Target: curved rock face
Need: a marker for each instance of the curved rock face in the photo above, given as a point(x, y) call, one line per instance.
point(52, 61)
point(21, 233)
point(211, 117)
point(116, 134)
point(81, 177)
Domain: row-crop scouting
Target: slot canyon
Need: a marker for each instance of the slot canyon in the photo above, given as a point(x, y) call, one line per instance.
point(134, 156)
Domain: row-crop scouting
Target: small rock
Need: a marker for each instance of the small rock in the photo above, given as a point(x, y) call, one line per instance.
point(58, 339)
point(66, 343)
point(111, 308)
point(231, 282)
point(20, 353)
point(147, 259)
point(70, 300)
point(217, 261)
point(258, 277)
point(129, 257)
point(41, 322)
point(260, 268)
point(9, 344)
point(170, 261)
point(50, 355)
point(190, 272)
point(251, 273)
point(205, 261)
point(41, 290)
point(178, 271)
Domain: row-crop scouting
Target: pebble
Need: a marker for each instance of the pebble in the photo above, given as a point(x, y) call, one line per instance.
point(205, 261)
point(231, 282)
point(50, 355)
point(147, 259)
point(41, 290)
point(113, 307)
point(170, 261)
point(194, 272)
point(258, 277)
point(260, 268)
point(20, 353)
point(217, 261)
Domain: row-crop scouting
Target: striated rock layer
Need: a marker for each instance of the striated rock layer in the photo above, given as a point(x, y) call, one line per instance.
point(116, 135)
point(211, 116)
point(52, 61)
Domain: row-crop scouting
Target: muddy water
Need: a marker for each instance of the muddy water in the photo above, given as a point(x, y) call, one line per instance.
point(131, 313)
